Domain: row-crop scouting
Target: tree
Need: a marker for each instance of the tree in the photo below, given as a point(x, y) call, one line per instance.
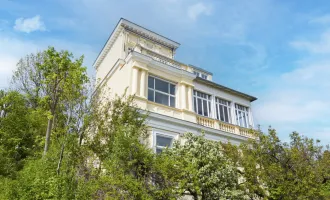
point(126, 167)
point(19, 132)
point(50, 79)
point(205, 171)
point(277, 170)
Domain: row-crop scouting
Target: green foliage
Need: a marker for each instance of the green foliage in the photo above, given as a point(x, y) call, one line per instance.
point(277, 170)
point(100, 151)
point(206, 172)
point(126, 165)
point(52, 80)
point(20, 129)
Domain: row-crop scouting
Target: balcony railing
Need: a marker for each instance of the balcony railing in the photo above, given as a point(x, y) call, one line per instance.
point(229, 128)
point(204, 121)
point(162, 59)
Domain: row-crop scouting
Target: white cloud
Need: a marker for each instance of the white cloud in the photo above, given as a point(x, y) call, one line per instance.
point(194, 11)
point(322, 45)
point(29, 25)
point(301, 97)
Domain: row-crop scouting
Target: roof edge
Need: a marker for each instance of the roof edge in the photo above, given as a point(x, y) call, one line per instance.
point(249, 97)
point(125, 24)
point(200, 69)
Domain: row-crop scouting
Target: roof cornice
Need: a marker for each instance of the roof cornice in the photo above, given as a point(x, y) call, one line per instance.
point(221, 87)
point(130, 26)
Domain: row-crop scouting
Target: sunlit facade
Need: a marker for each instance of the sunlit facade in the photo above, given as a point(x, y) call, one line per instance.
point(179, 97)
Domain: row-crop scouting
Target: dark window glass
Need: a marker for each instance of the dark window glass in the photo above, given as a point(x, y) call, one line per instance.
point(161, 98)
point(161, 85)
point(159, 150)
point(151, 95)
point(172, 101)
point(205, 108)
point(172, 89)
point(226, 115)
point(195, 106)
point(221, 113)
point(163, 141)
point(151, 82)
point(199, 103)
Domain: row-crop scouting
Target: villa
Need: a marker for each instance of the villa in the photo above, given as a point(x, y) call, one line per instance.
point(179, 97)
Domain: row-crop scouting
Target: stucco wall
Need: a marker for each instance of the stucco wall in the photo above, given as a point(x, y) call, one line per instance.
point(111, 58)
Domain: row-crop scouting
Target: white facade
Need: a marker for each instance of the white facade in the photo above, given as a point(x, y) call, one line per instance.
point(180, 98)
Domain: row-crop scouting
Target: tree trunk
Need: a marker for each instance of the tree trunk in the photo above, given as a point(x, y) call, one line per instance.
point(49, 130)
point(60, 160)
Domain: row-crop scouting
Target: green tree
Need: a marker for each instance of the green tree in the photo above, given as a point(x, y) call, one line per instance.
point(20, 128)
point(277, 170)
point(126, 167)
point(205, 171)
point(50, 79)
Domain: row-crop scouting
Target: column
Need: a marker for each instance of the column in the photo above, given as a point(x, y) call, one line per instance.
point(190, 103)
point(183, 96)
point(233, 113)
point(251, 118)
point(135, 72)
point(143, 83)
point(213, 109)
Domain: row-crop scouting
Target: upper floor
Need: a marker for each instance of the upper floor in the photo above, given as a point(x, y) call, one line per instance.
point(143, 62)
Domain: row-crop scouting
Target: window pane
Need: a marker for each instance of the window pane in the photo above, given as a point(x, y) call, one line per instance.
point(217, 111)
point(205, 108)
point(172, 101)
point(158, 150)
point(195, 106)
point(226, 114)
point(151, 82)
point(199, 106)
point(161, 98)
point(163, 141)
point(221, 113)
point(161, 85)
point(172, 89)
point(151, 95)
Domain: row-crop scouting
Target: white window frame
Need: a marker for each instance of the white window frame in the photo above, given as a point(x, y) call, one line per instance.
point(168, 94)
point(218, 109)
point(245, 113)
point(163, 134)
point(209, 103)
point(200, 74)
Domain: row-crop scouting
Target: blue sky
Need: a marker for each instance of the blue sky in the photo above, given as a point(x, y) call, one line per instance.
point(278, 51)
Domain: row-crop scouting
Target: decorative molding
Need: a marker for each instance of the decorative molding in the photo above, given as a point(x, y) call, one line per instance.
point(181, 126)
point(135, 56)
point(130, 26)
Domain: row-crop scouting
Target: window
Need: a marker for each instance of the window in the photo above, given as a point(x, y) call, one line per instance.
point(160, 91)
point(198, 74)
point(242, 115)
point(202, 103)
point(162, 142)
point(223, 110)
